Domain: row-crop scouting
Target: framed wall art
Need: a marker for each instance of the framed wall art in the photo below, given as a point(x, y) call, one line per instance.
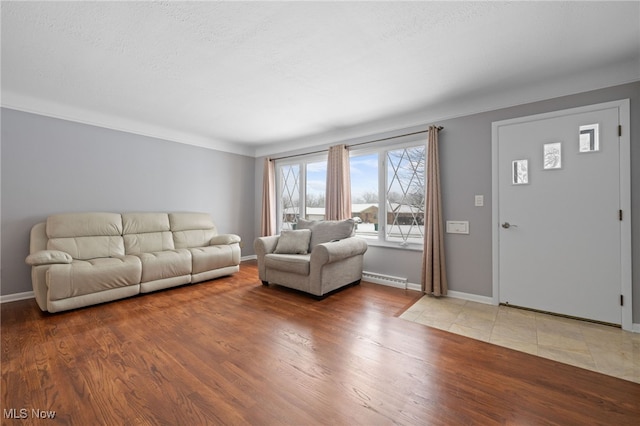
point(590, 138)
point(520, 172)
point(552, 156)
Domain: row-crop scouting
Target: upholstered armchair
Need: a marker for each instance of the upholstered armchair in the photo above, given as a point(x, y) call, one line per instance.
point(318, 257)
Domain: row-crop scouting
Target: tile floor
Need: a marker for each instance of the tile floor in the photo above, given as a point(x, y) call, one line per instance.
point(608, 350)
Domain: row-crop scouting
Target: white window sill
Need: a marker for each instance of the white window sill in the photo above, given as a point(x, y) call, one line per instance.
point(392, 245)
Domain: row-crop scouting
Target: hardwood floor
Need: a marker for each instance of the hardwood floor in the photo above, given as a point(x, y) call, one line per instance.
point(232, 351)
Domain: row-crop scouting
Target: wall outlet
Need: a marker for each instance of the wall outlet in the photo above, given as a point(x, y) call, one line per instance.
point(479, 200)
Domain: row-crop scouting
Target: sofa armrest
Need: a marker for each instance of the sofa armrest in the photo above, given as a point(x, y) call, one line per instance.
point(48, 257)
point(224, 239)
point(338, 250)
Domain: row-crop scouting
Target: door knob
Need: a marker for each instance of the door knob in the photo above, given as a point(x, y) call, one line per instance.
point(507, 225)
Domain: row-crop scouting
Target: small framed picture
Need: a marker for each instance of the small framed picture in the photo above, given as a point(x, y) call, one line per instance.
point(589, 138)
point(520, 172)
point(552, 156)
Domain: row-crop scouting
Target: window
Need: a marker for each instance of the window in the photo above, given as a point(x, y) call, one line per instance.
point(289, 195)
point(397, 177)
point(387, 192)
point(296, 181)
point(365, 196)
point(315, 190)
point(405, 195)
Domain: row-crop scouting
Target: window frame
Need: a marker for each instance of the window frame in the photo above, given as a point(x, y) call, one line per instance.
point(382, 152)
point(383, 171)
point(301, 161)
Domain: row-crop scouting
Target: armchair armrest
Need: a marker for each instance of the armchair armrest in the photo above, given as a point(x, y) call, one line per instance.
point(47, 257)
point(265, 245)
point(338, 250)
point(224, 239)
point(262, 247)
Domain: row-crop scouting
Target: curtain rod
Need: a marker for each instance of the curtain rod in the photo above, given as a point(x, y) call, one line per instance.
point(357, 144)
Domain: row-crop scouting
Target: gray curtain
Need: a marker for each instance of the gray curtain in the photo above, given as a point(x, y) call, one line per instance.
point(338, 197)
point(268, 218)
point(434, 274)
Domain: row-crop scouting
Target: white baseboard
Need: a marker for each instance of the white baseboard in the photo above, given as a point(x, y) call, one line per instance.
point(390, 281)
point(17, 296)
point(470, 297)
point(399, 282)
point(382, 279)
point(414, 286)
point(250, 257)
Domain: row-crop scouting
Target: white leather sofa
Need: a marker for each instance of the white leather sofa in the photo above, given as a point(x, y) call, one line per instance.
point(81, 259)
point(318, 257)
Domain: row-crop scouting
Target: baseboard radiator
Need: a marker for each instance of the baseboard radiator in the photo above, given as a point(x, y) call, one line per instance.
point(389, 280)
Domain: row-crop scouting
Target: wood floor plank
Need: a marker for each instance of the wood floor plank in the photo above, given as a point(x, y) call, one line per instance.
point(231, 351)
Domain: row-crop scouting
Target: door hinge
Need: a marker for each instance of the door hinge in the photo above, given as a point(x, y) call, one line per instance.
point(620, 214)
point(621, 300)
point(619, 130)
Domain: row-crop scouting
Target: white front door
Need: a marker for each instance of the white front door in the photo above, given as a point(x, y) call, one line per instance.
point(558, 227)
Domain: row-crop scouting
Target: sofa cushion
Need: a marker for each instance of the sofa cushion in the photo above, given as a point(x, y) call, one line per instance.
point(294, 242)
point(147, 243)
point(214, 257)
point(86, 235)
point(189, 221)
point(324, 231)
point(84, 248)
point(142, 223)
point(91, 276)
point(146, 232)
point(294, 263)
point(67, 225)
point(165, 264)
point(193, 238)
point(192, 229)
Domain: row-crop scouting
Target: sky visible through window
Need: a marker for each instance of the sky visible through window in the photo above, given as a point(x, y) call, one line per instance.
point(364, 176)
point(316, 178)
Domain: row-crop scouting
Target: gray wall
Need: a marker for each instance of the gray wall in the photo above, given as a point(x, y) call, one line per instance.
point(51, 166)
point(465, 156)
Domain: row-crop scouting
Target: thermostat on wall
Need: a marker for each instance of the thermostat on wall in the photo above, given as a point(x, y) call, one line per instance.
point(457, 227)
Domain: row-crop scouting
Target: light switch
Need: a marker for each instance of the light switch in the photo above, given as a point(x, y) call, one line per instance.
point(479, 200)
point(457, 227)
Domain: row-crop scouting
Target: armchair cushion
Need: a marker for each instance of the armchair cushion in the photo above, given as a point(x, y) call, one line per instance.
point(324, 231)
point(293, 242)
point(293, 263)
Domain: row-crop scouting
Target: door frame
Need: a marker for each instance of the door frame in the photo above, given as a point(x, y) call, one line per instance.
point(624, 117)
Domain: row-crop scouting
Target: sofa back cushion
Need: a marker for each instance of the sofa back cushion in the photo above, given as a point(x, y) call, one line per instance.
point(86, 235)
point(146, 232)
point(192, 229)
point(323, 231)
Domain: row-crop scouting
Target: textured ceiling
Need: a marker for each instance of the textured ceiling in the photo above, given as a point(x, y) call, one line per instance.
point(254, 77)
